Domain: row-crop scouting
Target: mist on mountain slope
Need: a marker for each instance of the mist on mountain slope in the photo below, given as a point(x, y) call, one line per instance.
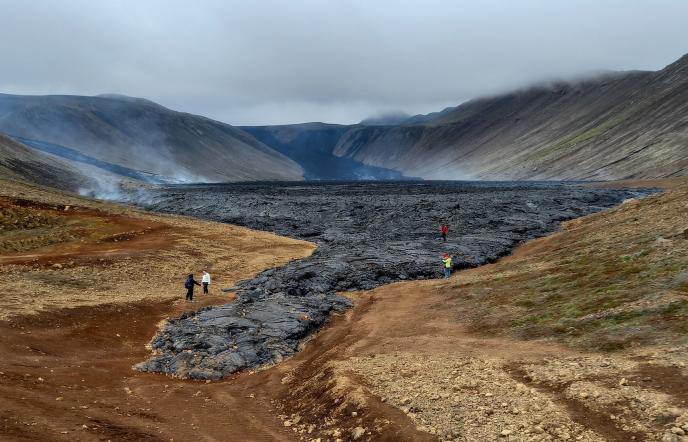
point(141, 140)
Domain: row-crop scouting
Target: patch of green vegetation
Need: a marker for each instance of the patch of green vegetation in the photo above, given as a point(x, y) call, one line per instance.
point(525, 303)
point(591, 133)
point(606, 284)
point(574, 139)
point(621, 318)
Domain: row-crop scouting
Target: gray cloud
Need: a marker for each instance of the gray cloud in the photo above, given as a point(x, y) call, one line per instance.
point(265, 62)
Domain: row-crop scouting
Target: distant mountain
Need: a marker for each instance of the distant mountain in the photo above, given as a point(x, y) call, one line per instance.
point(311, 145)
point(616, 125)
point(611, 126)
point(132, 136)
point(424, 118)
point(386, 119)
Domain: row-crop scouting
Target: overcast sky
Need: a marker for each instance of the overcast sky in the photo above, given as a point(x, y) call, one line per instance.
point(267, 62)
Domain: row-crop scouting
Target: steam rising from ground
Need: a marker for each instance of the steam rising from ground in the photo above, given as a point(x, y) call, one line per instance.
point(109, 187)
point(100, 183)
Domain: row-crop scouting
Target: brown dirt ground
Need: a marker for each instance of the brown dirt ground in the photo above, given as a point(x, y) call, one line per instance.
point(78, 312)
point(401, 350)
point(400, 366)
point(61, 251)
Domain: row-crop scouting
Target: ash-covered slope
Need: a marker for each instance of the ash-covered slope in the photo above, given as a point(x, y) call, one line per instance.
point(311, 145)
point(19, 162)
point(143, 136)
point(617, 125)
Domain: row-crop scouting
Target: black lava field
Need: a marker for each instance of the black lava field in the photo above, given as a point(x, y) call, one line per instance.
point(368, 234)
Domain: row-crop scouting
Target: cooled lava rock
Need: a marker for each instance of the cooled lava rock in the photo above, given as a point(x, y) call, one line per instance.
point(368, 234)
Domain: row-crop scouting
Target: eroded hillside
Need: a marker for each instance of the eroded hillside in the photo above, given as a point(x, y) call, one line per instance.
point(140, 139)
point(618, 125)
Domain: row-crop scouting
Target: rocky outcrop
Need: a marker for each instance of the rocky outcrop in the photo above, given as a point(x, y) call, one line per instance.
point(367, 235)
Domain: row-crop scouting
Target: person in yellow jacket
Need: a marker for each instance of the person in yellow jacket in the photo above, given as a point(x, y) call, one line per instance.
point(447, 262)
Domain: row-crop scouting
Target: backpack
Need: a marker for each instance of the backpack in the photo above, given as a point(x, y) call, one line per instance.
point(188, 284)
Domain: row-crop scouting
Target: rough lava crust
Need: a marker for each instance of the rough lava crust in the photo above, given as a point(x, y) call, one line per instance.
point(368, 234)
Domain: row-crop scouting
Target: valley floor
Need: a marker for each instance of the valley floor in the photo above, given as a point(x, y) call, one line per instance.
point(508, 351)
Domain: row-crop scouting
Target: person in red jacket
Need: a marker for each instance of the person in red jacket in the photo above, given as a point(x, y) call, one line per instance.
point(444, 230)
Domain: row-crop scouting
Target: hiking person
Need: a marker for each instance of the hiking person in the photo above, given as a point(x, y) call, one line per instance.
point(205, 280)
point(444, 230)
point(447, 263)
point(189, 286)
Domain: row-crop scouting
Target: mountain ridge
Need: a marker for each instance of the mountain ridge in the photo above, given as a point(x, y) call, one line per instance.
point(610, 125)
point(625, 125)
point(311, 145)
point(140, 134)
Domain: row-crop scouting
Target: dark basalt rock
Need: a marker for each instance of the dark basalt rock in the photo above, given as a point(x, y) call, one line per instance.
point(368, 234)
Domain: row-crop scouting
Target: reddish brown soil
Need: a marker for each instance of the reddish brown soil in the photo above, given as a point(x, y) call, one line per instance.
point(118, 236)
point(67, 376)
point(325, 398)
point(58, 251)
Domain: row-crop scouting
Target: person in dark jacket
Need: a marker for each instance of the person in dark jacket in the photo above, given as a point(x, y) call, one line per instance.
point(189, 286)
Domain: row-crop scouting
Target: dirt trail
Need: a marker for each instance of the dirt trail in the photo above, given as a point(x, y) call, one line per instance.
point(402, 353)
point(394, 325)
point(69, 377)
point(72, 368)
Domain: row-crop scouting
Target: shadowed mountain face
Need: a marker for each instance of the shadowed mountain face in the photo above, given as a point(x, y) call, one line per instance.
point(311, 145)
point(619, 125)
point(119, 133)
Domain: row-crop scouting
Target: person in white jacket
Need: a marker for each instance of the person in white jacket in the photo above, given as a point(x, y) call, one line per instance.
point(205, 281)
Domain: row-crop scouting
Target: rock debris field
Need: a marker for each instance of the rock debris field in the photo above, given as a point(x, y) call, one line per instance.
point(368, 234)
